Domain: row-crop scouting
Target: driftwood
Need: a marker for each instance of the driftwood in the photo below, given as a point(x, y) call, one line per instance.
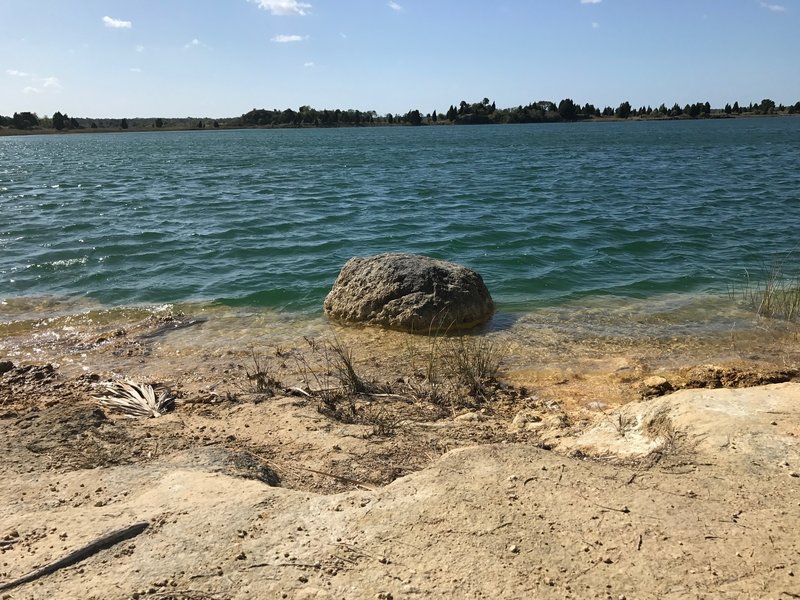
point(104, 541)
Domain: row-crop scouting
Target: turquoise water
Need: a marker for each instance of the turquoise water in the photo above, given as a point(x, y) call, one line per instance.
point(548, 214)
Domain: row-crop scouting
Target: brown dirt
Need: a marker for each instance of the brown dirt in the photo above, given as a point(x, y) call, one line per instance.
point(541, 489)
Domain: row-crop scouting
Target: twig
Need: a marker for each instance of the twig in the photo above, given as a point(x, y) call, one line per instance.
point(345, 479)
point(104, 541)
point(301, 565)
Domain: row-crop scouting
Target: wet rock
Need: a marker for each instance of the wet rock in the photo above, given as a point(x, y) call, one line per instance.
point(408, 292)
point(712, 376)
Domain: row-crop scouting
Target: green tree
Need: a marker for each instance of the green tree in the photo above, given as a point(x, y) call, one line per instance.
point(624, 110)
point(25, 120)
point(767, 106)
point(123, 124)
point(159, 122)
point(568, 110)
point(58, 121)
point(413, 117)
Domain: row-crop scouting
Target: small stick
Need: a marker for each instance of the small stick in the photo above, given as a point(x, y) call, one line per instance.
point(339, 477)
point(104, 541)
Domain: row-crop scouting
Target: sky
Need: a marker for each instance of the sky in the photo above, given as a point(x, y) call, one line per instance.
point(222, 58)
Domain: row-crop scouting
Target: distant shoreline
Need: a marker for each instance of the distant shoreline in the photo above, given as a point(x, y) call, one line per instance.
point(10, 131)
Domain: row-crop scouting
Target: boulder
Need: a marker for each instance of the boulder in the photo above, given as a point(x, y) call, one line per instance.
point(408, 292)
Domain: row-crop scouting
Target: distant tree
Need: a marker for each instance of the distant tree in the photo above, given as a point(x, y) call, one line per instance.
point(413, 117)
point(58, 121)
point(452, 113)
point(728, 109)
point(216, 124)
point(200, 124)
point(159, 122)
point(568, 110)
point(123, 124)
point(766, 107)
point(608, 111)
point(736, 108)
point(25, 120)
point(706, 110)
point(693, 110)
point(434, 116)
point(94, 125)
point(676, 110)
point(624, 110)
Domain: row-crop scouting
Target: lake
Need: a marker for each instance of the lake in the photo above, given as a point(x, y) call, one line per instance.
point(623, 228)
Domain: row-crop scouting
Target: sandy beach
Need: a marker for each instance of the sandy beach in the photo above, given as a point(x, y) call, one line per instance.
point(587, 468)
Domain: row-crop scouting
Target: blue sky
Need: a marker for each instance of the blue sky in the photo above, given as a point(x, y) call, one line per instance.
point(220, 58)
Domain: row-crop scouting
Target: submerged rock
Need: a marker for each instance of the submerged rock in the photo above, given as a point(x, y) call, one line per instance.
point(409, 292)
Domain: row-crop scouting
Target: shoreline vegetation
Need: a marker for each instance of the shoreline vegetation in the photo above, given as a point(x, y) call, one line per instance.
point(484, 112)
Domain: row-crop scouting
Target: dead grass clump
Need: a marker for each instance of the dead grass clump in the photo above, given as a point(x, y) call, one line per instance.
point(260, 375)
point(660, 427)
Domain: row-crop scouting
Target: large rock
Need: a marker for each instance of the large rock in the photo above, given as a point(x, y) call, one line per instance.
point(409, 293)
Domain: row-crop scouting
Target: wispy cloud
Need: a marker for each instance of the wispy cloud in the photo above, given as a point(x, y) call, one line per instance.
point(135, 70)
point(193, 44)
point(116, 23)
point(773, 7)
point(285, 39)
point(284, 7)
point(308, 64)
point(394, 6)
point(50, 82)
point(591, 1)
point(595, 25)
point(139, 48)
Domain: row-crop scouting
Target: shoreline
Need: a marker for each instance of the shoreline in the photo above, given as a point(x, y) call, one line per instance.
point(10, 132)
point(599, 351)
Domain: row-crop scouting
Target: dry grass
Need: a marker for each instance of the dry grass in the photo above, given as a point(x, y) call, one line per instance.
point(773, 293)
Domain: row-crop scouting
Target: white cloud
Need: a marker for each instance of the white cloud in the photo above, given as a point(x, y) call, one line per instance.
point(193, 44)
point(40, 84)
point(140, 48)
point(284, 7)
point(284, 39)
point(50, 82)
point(394, 6)
point(308, 64)
point(773, 7)
point(116, 23)
point(591, 1)
point(135, 70)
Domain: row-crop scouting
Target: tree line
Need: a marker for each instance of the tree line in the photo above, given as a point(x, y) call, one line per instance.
point(465, 113)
